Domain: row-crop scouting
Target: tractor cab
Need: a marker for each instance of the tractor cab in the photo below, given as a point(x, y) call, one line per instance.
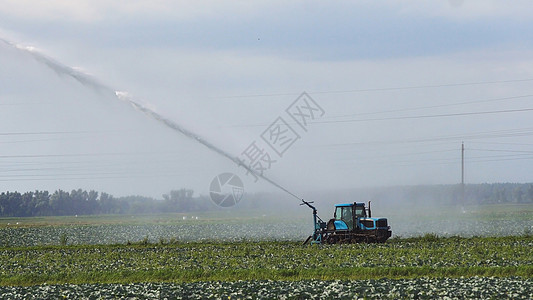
point(346, 215)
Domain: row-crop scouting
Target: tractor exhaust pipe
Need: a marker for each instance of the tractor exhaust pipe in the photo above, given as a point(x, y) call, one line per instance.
point(369, 211)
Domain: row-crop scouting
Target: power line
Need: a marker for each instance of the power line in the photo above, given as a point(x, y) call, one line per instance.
point(81, 154)
point(427, 116)
point(42, 140)
point(43, 132)
point(59, 155)
point(499, 150)
point(503, 143)
point(88, 177)
point(468, 136)
point(437, 161)
point(380, 89)
point(403, 117)
point(23, 103)
point(511, 158)
point(434, 106)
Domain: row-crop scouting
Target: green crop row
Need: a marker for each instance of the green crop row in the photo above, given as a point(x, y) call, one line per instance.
point(421, 288)
point(227, 261)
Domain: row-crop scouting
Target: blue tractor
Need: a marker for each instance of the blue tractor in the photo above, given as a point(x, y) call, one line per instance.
point(351, 223)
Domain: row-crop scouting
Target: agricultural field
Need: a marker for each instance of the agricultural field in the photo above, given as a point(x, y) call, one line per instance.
point(260, 256)
point(229, 226)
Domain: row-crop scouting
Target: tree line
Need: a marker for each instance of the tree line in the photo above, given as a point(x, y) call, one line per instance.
point(82, 202)
point(485, 193)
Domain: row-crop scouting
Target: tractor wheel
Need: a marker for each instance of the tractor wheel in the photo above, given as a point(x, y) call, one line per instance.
point(331, 239)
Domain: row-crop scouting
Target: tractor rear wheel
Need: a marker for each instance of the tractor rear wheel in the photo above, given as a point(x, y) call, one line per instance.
point(332, 239)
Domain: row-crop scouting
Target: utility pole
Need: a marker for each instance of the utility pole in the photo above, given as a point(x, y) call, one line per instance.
point(463, 174)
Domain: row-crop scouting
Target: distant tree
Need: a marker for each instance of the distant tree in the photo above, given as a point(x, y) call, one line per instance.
point(180, 200)
point(15, 204)
point(92, 203)
point(26, 205)
point(60, 203)
point(530, 193)
point(41, 203)
point(108, 205)
point(518, 194)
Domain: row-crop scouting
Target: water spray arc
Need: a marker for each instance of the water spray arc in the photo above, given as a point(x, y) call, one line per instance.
point(94, 84)
point(125, 97)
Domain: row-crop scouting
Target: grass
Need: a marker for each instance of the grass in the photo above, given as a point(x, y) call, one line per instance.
point(426, 256)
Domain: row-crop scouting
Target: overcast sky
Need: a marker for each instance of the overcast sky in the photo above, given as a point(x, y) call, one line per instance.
point(397, 86)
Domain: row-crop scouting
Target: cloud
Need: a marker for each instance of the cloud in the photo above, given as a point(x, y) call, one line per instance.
point(466, 9)
point(314, 31)
point(296, 30)
point(87, 11)
point(98, 10)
